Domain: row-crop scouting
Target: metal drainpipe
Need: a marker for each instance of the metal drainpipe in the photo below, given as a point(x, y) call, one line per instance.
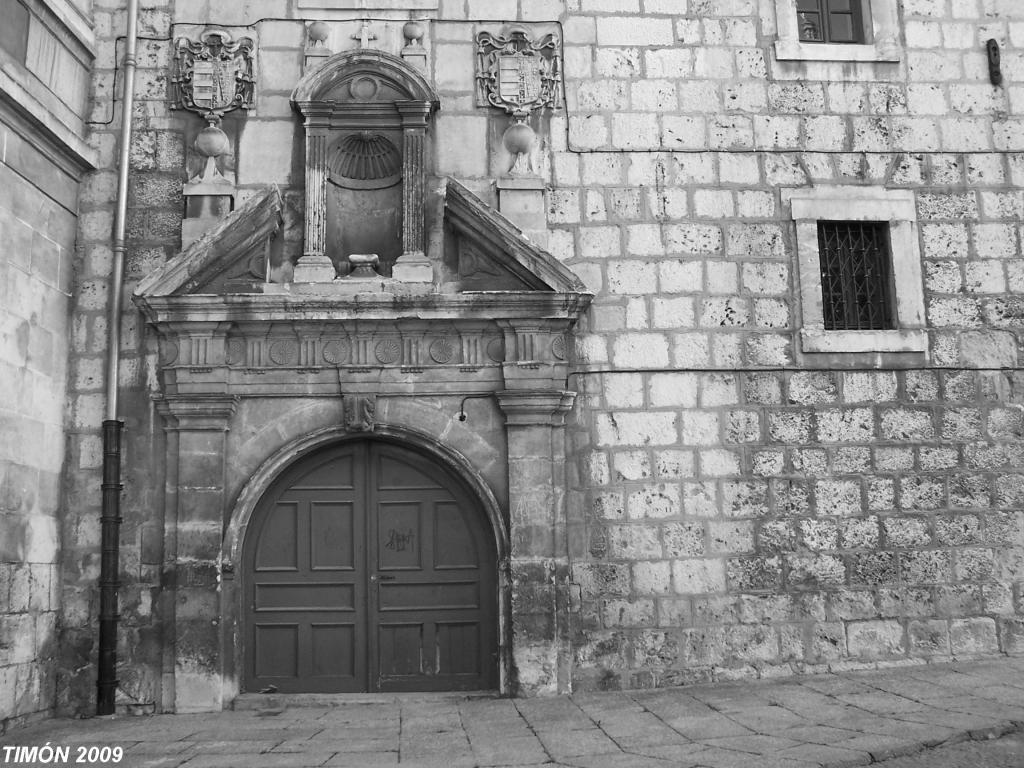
point(110, 515)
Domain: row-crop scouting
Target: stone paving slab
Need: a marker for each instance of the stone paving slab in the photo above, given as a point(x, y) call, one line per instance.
point(830, 721)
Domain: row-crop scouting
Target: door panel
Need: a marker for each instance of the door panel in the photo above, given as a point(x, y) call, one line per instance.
point(370, 568)
point(331, 531)
point(279, 545)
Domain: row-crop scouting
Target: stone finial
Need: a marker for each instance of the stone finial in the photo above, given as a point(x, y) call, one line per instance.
point(413, 51)
point(413, 33)
point(209, 195)
point(318, 32)
point(519, 139)
point(317, 52)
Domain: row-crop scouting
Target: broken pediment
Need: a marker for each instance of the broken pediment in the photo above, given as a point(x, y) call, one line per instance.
point(484, 251)
point(481, 251)
point(230, 258)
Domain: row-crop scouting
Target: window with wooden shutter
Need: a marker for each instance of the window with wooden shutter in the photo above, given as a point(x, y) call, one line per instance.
point(831, 21)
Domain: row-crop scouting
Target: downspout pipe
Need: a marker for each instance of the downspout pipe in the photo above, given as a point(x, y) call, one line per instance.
point(110, 514)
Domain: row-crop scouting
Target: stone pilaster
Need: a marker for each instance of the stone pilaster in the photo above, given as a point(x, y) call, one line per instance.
point(315, 265)
point(197, 429)
point(541, 648)
point(412, 265)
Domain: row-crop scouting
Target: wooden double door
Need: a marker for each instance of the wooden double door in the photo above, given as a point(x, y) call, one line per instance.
point(369, 567)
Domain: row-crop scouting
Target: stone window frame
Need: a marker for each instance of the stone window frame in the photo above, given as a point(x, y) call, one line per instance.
point(897, 207)
point(883, 36)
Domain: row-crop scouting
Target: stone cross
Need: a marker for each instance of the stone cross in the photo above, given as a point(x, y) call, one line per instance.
point(365, 35)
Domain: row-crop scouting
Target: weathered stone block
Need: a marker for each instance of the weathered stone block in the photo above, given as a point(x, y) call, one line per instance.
point(814, 571)
point(628, 613)
point(853, 425)
point(859, 533)
point(754, 573)
point(928, 638)
point(633, 541)
point(683, 539)
point(875, 639)
point(841, 498)
point(922, 492)
point(698, 576)
point(652, 578)
point(654, 502)
point(634, 30)
point(973, 636)
point(931, 566)
point(906, 531)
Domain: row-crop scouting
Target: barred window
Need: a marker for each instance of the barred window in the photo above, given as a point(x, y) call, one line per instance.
point(856, 275)
point(861, 286)
point(831, 21)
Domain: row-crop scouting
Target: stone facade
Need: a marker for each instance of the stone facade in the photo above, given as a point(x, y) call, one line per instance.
point(725, 498)
point(43, 155)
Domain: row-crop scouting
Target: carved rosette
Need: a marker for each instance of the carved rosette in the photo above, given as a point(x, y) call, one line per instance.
point(388, 351)
point(337, 351)
point(442, 351)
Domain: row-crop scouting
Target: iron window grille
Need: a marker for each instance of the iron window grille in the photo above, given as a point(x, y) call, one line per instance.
point(856, 275)
point(831, 21)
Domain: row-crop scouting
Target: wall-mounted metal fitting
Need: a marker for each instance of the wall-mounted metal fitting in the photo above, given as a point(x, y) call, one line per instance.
point(995, 72)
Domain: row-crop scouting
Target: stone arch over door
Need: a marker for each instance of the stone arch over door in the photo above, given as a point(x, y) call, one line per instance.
point(462, 507)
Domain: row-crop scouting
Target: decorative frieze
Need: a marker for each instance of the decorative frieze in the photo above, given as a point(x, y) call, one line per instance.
point(313, 345)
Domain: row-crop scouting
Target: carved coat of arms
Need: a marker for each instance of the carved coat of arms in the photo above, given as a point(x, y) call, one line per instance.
point(213, 75)
point(517, 73)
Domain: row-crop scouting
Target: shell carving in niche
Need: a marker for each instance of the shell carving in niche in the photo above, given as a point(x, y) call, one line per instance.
point(365, 160)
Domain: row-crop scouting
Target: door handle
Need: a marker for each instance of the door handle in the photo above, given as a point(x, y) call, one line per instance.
point(382, 577)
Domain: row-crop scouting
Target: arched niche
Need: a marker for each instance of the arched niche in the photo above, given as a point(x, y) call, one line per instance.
point(366, 114)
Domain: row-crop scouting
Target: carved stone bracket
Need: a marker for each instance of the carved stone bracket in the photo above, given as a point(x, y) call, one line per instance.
point(360, 412)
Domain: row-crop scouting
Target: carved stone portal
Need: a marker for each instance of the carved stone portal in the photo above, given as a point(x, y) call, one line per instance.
point(366, 116)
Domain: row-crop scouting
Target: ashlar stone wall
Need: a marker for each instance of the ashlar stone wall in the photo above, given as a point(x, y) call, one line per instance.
point(38, 222)
point(42, 157)
point(743, 508)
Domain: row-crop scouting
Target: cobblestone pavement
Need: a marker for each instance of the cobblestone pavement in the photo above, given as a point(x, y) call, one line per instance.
point(848, 719)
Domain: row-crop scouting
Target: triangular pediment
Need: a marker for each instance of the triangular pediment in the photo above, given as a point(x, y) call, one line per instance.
point(487, 252)
point(228, 258)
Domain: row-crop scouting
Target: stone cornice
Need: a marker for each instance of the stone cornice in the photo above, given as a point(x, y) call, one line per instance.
point(197, 412)
point(532, 407)
point(484, 305)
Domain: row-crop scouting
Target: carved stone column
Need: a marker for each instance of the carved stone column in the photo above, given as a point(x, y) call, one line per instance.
point(541, 645)
point(413, 265)
point(197, 427)
point(315, 266)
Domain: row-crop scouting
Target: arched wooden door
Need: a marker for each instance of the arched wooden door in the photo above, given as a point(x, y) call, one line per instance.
point(369, 567)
